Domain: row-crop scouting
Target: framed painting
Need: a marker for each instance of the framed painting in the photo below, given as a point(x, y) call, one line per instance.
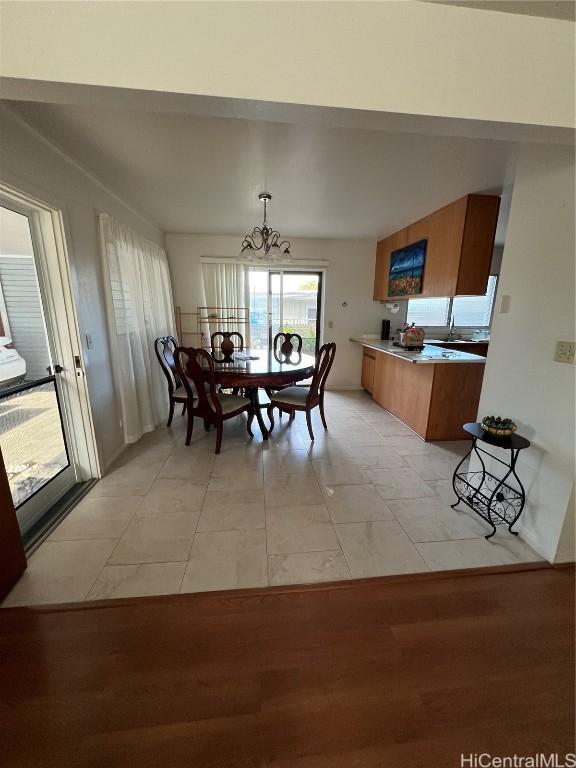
point(407, 269)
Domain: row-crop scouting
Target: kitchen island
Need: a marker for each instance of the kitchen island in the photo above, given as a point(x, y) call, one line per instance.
point(434, 392)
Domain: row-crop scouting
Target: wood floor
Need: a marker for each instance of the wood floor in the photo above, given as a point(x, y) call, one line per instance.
point(399, 671)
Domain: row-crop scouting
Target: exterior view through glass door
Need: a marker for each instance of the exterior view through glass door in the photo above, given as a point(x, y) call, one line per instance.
point(33, 423)
point(286, 301)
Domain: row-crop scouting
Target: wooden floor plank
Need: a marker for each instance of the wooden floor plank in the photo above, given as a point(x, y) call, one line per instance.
point(383, 672)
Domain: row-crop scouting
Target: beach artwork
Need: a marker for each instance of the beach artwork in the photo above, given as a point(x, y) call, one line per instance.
point(407, 270)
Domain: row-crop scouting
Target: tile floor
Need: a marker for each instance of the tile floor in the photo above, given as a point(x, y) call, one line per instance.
point(367, 498)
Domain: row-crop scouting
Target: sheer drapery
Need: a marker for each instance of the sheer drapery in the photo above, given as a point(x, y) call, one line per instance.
point(139, 308)
point(225, 286)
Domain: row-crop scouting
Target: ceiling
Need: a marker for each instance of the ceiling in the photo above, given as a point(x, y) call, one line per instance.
point(190, 173)
point(552, 9)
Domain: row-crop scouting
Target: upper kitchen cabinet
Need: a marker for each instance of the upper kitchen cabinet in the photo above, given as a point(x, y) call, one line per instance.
point(385, 248)
point(460, 240)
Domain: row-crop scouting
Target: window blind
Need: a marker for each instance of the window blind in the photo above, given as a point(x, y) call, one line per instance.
point(428, 311)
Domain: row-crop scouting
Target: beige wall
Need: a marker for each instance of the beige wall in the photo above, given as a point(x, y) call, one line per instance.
point(566, 550)
point(31, 165)
point(522, 380)
point(349, 278)
point(402, 57)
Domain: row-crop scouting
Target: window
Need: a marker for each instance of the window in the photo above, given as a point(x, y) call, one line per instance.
point(428, 311)
point(311, 314)
point(475, 311)
point(467, 311)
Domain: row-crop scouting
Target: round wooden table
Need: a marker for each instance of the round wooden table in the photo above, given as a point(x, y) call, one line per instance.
point(262, 370)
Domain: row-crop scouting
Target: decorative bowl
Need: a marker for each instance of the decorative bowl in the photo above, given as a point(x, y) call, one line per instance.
point(498, 426)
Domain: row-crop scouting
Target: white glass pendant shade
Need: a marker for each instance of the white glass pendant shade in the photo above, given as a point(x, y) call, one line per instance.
point(274, 254)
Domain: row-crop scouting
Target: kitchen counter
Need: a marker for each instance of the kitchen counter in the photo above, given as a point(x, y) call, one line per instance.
point(431, 398)
point(430, 354)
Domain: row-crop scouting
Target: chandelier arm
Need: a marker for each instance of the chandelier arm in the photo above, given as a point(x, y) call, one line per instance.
point(249, 242)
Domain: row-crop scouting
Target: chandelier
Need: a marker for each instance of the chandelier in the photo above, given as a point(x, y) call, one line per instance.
point(266, 240)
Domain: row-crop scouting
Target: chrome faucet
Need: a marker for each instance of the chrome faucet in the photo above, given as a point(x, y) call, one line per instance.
point(451, 333)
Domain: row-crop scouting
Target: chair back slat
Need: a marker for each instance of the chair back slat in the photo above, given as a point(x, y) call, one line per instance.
point(285, 344)
point(223, 346)
point(324, 361)
point(164, 347)
point(195, 368)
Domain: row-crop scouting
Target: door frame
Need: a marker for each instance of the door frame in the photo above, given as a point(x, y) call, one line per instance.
point(48, 234)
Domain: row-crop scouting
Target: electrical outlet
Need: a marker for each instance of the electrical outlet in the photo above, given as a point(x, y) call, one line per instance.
point(565, 352)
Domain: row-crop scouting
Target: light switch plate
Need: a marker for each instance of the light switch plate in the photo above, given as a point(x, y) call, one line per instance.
point(565, 352)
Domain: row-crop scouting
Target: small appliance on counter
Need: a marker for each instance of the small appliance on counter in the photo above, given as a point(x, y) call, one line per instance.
point(385, 334)
point(411, 338)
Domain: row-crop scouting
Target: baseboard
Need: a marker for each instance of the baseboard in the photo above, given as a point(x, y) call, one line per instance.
point(526, 535)
point(343, 387)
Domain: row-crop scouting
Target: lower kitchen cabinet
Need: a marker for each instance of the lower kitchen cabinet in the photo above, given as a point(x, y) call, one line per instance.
point(368, 370)
point(404, 389)
point(433, 399)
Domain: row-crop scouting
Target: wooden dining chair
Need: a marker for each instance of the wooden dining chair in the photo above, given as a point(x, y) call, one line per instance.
point(195, 368)
point(285, 344)
point(285, 350)
point(294, 399)
point(164, 347)
point(222, 343)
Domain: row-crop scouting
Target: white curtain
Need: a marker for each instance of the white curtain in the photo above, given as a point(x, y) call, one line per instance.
point(139, 309)
point(225, 286)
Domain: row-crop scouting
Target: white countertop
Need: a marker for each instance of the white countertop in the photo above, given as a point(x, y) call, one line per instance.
point(430, 353)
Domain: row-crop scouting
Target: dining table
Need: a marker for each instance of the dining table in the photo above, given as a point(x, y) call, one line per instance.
point(253, 369)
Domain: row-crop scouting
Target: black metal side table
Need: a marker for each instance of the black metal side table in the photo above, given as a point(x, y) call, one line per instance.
point(492, 498)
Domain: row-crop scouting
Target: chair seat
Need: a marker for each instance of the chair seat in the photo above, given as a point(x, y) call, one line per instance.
point(232, 402)
point(180, 393)
point(291, 396)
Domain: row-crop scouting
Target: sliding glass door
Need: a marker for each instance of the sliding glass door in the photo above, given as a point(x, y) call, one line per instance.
point(34, 436)
point(288, 301)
